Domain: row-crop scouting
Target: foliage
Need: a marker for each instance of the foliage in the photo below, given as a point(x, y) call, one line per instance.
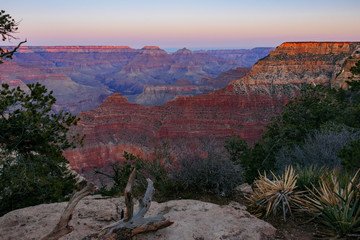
point(315, 107)
point(212, 173)
point(337, 204)
point(350, 156)
point(309, 177)
point(28, 182)
point(32, 168)
point(355, 69)
point(28, 125)
point(320, 148)
point(8, 26)
point(119, 177)
point(157, 170)
point(237, 148)
point(278, 195)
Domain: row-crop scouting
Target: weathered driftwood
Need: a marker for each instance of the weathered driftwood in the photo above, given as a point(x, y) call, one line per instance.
point(62, 228)
point(132, 224)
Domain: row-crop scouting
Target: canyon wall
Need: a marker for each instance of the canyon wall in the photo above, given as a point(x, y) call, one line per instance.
point(244, 57)
point(243, 107)
point(154, 95)
point(83, 76)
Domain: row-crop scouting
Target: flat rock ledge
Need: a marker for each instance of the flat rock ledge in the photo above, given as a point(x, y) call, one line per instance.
point(193, 220)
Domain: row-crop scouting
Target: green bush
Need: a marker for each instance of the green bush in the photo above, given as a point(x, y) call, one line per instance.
point(32, 139)
point(33, 181)
point(309, 177)
point(350, 156)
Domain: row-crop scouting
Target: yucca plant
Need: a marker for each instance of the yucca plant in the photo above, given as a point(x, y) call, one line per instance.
point(337, 205)
point(309, 177)
point(277, 195)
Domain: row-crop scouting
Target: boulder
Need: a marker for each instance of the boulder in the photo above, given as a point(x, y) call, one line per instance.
point(193, 220)
point(244, 189)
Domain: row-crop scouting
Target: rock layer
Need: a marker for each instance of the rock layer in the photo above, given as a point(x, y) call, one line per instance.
point(71, 96)
point(82, 76)
point(244, 107)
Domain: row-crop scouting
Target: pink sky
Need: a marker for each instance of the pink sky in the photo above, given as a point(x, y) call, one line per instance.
point(193, 24)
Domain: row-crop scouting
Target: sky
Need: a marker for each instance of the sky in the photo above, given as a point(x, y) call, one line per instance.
point(183, 23)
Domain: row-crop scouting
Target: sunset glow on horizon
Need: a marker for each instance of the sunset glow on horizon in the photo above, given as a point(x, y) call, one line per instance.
point(177, 24)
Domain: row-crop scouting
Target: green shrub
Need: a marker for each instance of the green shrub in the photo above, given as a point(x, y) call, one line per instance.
point(310, 177)
point(350, 156)
point(29, 183)
point(32, 139)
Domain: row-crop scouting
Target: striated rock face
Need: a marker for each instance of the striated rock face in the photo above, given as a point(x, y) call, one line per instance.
point(192, 220)
point(70, 96)
point(159, 95)
point(244, 57)
point(345, 74)
point(225, 78)
point(98, 71)
point(244, 107)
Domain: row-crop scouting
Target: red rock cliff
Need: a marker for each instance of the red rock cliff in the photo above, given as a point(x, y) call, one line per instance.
point(244, 107)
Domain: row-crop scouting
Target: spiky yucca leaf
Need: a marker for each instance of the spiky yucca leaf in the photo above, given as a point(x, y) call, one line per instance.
point(338, 205)
point(271, 195)
point(331, 192)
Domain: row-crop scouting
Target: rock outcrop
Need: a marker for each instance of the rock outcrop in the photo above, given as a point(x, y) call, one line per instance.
point(224, 78)
point(192, 220)
point(161, 94)
point(244, 107)
point(244, 57)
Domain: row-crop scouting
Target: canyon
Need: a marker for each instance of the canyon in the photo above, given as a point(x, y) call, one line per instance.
point(81, 77)
point(199, 123)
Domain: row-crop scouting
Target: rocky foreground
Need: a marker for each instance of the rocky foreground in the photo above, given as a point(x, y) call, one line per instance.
point(192, 220)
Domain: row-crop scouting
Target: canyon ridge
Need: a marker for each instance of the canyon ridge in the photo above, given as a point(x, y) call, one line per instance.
point(81, 77)
point(244, 107)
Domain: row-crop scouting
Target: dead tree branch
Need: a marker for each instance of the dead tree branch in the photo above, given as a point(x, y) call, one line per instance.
point(62, 228)
point(128, 197)
point(132, 224)
point(9, 54)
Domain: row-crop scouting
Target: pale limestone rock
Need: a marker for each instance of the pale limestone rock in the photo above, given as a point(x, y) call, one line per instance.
point(192, 220)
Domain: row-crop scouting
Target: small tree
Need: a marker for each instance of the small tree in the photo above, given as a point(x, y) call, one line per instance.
point(32, 139)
